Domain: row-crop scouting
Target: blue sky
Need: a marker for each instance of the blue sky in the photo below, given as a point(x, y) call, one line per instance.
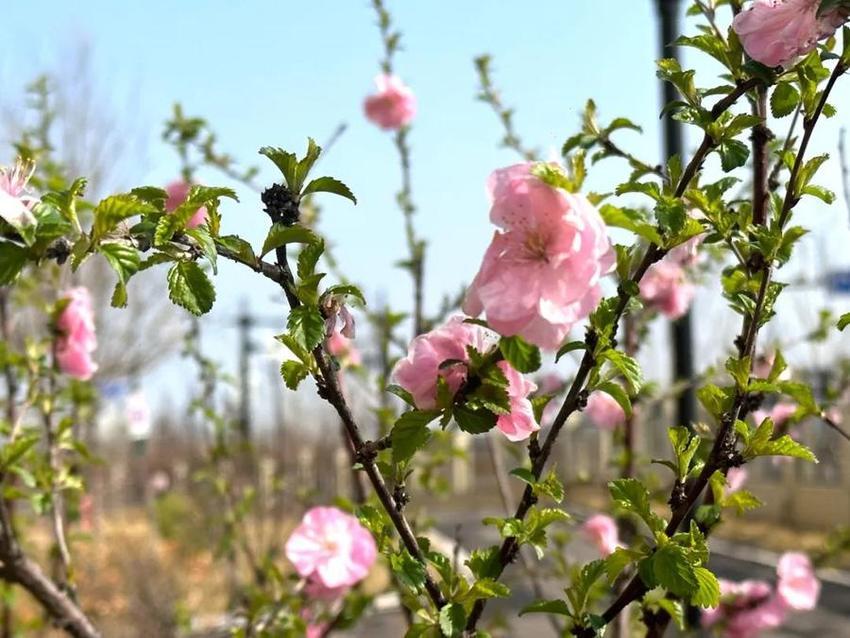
point(272, 73)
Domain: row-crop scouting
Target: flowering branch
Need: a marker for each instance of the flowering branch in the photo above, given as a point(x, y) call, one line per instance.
point(576, 396)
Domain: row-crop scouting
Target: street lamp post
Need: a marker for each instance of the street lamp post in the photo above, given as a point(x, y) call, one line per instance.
point(681, 329)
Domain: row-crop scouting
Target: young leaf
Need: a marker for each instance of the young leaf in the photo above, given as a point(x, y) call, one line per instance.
point(280, 235)
point(306, 326)
point(329, 185)
point(410, 433)
point(189, 287)
point(523, 356)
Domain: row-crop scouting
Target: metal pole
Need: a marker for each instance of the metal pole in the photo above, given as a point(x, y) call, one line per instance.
point(245, 322)
point(681, 332)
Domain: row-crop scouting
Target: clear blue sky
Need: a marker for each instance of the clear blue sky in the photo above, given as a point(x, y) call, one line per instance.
point(274, 72)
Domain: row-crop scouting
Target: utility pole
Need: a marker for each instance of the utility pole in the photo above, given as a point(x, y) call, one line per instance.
point(245, 322)
point(681, 329)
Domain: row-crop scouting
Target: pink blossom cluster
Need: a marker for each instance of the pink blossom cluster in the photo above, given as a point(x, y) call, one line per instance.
point(76, 341)
point(442, 352)
point(15, 204)
point(332, 551)
point(776, 32)
point(601, 530)
point(604, 411)
point(541, 273)
point(750, 607)
point(392, 106)
point(344, 349)
point(177, 193)
point(666, 286)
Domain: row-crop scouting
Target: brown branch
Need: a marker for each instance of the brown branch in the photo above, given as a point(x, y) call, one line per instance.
point(500, 472)
point(723, 454)
point(329, 389)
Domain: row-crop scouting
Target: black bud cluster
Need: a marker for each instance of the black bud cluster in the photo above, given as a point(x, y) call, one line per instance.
point(280, 205)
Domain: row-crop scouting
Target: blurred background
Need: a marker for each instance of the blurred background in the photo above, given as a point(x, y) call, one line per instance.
point(272, 73)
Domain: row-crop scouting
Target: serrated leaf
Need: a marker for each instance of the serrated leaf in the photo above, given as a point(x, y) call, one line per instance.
point(474, 421)
point(280, 235)
point(616, 392)
point(784, 99)
point(631, 495)
point(452, 620)
point(189, 287)
point(306, 326)
point(558, 607)
point(523, 356)
point(238, 246)
point(293, 373)
point(410, 433)
point(329, 185)
point(707, 593)
point(13, 258)
point(569, 347)
point(114, 209)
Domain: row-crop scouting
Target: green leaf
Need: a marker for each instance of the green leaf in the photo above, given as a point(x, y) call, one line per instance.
point(843, 321)
point(685, 446)
point(486, 588)
point(523, 356)
point(306, 326)
point(452, 620)
point(306, 164)
point(569, 347)
point(762, 443)
point(733, 154)
point(238, 246)
point(410, 433)
point(558, 607)
point(627, 366)
point(280, 235)
point(673, 570)
point(125, 261)
point(189, 287)
point(784, 99)
point(293, 373)
point(286, 162)
point(409, 571)
point(474, 421)
point(309, 257)
point(631, 495)
point(484, 563)
point(329, 185)
point(13, 258)
point(708, 589)
point(634, 220)
point(114, 209)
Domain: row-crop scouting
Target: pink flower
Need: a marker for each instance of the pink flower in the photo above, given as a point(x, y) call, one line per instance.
point(604, 411)
point(338, 317)
point(331, 548)
point(343, 349)
point(751, 622)
point(315, 590)
point(393, 106)
point(775, 32)
point(15, 204)
point(665, 287)
point(601, 530)
point(418, 371)
point(779, 413)
point(735, 479)
point(177, 193)
point(686, 254)
point(541, 272)
point(746, 609)
point(316, 630)
point(798, 586)
point(520, 423)
point(76, 340)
